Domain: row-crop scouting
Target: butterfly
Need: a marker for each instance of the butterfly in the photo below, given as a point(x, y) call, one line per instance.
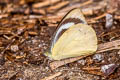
point(73, 37)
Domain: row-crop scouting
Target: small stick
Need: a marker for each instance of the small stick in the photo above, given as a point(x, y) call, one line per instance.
point(52, 76)
point(57, 64)
point(44, 3)
point(39, 11)
point(91, 68)
point(58, 6)
point(103, 15)
point(95, 72)
point(3, 15)
point(108, 46)
point(101, 48)
point(77, 5)
point(117, 17)
point(7, 46)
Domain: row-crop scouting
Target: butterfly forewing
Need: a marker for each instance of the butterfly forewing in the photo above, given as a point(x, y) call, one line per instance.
point(80, 39)
point(73, 17)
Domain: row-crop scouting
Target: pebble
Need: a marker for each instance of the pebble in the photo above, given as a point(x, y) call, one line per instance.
point(98, 57)
point(14, 48)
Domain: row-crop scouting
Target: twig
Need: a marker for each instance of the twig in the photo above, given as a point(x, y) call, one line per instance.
point(57, 64)
point(101, 48)
point(91, 68)
point(104, 14)
point(117, 17)
point(95, 72)
point(58, 6)
point(3, 15)
point(77, 5)
point(39, 11)
point(86, 11)
point(7, 46)
point(108, 46)
point(44, 3)
point(52, 76)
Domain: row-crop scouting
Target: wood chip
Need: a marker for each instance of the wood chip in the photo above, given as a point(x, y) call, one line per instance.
point(44, 3)
point(32, 33)
point(75, 6)
point(91, 68)
point(104, 14)
point(57, 6)
point(39, 11)
point(52, 76)
point(3, 15)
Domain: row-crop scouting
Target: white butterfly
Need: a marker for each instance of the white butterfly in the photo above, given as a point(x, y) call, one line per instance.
point(73, 37)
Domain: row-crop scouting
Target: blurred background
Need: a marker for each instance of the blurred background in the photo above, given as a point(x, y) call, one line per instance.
point(26, 28)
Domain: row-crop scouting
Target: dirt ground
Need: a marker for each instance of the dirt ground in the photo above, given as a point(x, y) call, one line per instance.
point(26, 29)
